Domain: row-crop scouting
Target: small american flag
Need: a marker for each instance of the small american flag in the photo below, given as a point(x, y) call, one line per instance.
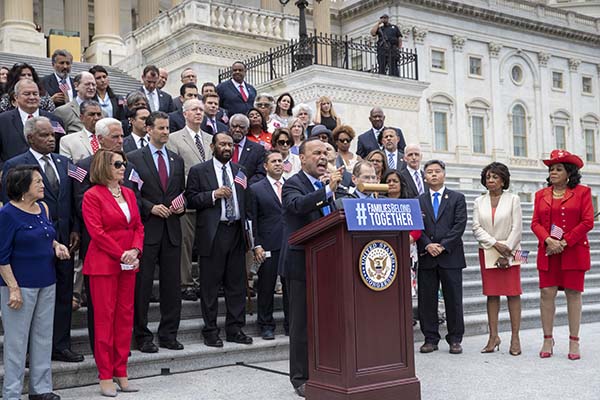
point(76, 172)
point(240, 179)
point(177, 202)
point(556, 232)
point(135, 178)
point(521, 256)
point(287, 166)
point(63, 86)
point(57, 127)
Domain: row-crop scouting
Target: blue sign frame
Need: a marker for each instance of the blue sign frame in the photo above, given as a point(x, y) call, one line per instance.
point(383, 214)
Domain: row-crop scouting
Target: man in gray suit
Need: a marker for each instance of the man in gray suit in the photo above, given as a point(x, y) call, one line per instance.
point(85, 84)
point(80, 145)
point(193, 145)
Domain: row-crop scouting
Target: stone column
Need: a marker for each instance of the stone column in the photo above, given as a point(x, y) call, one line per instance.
point(107, 46)
point(461, 136)
point(500, 138)
point(76, 19)
point(544, 125)
point(575, 140)
point(17, 32)
point(322, 16)
point(148, 10)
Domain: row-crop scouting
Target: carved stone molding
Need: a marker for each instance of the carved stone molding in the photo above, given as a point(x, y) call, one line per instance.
point(574, 64)
point(196, 47)
point(406, 31)
point(494, 49)
point(543, 58)
point(458, 42)
point(419, 34)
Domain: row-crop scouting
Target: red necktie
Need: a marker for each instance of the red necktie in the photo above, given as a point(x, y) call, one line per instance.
point(236, 153)
point(243, 93)
point(162, 171)
point(94, 144)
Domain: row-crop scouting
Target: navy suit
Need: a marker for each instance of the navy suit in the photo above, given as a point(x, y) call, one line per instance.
point(252, 158)
point(447, 230)
point(61, 210)
point(230, 98)
point(221, 247)
point(367, 142)
point(50, 84)
point(265, 211)
point(221, 127)
point(129, 144)
point(176, 121)
point(162, 246)
point(12, 139)
point(302, 205)
point(165, 101)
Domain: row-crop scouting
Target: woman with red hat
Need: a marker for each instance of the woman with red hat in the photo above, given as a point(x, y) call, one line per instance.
point(562, 216)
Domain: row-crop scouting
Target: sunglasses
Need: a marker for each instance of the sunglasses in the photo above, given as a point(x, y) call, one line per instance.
point(284, 142)
point(346, 141)
point(119, 164)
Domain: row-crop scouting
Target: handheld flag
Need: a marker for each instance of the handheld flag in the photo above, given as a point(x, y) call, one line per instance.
point(75, 172)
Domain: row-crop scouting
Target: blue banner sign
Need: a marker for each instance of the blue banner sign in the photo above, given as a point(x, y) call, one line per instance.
point(383, 214)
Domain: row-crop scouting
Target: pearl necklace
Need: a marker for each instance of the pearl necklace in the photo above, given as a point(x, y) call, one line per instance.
point(115, 195)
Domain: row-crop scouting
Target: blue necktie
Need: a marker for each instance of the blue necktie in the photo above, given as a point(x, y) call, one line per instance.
point(436, 204)
point(326, 210)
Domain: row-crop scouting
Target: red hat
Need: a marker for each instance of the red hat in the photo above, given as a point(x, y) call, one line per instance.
point(563, 156)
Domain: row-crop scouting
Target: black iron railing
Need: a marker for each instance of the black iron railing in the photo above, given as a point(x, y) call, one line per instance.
point(330, 50)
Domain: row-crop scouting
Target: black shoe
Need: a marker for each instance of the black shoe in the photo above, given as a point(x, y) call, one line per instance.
point(67, 355)
point(148, 347)
point(189, 294)
point(268, 334)
point(240, 337)
point(154, 298)
point(213, 341)
point(300, 390)
point(44, 396)
point(171, 345)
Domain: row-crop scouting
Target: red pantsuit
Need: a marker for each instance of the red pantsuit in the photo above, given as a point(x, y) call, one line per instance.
point(112, 289)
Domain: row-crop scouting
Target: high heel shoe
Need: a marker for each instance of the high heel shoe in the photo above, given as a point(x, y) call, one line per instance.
point(547, 354)
point(128, 388)
point(492, 345)
point(515, 347)
point(574, 356)
point(107, 388)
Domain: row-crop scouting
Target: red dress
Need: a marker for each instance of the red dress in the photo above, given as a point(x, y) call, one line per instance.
point(500, 282)
point(264, 139)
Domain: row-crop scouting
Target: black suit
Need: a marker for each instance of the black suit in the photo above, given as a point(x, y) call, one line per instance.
point(165, 101)
point(252, 158)
point(221, 127)
point(265, 211)
point(129, 144)
point(176, 121)
point(412, 192)
point(367, 142)
point(231, 99)
point(221, 247)
point(302, 205)
point(50, 84)
point(60, 205)
point(12, 139)
point(162, 246)
point(446, 230)
point(118, 107)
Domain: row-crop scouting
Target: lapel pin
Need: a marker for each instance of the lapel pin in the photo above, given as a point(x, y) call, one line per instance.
point(58, 160)
point(172, 159)
point(446, 196)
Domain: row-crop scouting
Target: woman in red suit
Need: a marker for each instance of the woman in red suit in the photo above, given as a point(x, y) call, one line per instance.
point(112, 218)
point(562, 216)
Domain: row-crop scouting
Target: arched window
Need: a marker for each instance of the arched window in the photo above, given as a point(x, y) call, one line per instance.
point(519, 127)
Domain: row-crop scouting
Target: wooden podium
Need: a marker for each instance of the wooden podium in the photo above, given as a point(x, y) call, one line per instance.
point(360, 341)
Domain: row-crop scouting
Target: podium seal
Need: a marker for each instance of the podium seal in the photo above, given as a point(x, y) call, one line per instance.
point(378, 265)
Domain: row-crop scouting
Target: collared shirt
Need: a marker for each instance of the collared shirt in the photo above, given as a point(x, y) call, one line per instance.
point(68, 83)
point(79, 100)
point(218, 167)
point(273, 186)
point(106, 104)
point(193, 133)
point(138, 140)
point(237, 86)
point(376, 134)
point(38, 157)
point(394, 156)
point(89, 134)
point(153, 151)
point(412, 175)
point(312, 179)
point(25, 116)
point(441, 192)
point(153, 98)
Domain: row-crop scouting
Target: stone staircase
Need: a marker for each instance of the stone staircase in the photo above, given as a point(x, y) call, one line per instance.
point(196, 356)
point(120, 82)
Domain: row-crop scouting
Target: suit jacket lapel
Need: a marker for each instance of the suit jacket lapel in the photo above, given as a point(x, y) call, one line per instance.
point(110, 200)
point(48, 192)
point(85, 141)
point(171, 161)
point(443, 200)
point(18, 124)
point(271, 192)
point(411, 182)
point(429, 206)
point(548, 196)
point(485, 213)
point(190, 142)
point(149, 159)
point(243, 151)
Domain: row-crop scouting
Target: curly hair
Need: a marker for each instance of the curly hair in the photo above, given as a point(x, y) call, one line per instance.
point(572, 173)
point(499, 169)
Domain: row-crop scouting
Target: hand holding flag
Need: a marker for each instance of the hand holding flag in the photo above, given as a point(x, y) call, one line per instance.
point(75, 172)
point(135, 178)
point(556, 232)
point(178, 203)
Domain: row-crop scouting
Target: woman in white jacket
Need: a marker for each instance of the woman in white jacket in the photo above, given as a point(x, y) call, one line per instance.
point(497, 226)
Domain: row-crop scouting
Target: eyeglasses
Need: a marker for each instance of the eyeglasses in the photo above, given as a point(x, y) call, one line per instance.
point(346, 141)
point(263, 105)
point(119, 164)
point(284, 142)
point(235, 126)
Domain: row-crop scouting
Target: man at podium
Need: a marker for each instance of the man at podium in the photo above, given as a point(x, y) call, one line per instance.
point(307, 196)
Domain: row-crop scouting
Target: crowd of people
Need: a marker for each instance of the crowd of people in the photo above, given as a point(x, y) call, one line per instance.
point(103, 193)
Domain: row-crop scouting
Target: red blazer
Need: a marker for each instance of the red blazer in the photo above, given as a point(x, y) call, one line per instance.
point(576, 220)
point(109, 230)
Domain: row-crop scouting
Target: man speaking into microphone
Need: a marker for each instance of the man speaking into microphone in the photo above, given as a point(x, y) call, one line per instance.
point(307, 196)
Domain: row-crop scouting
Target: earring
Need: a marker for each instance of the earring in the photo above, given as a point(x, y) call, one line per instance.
point(22, 198)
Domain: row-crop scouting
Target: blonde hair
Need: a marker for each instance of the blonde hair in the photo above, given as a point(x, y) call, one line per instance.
point(325, 99)
point(101, 168)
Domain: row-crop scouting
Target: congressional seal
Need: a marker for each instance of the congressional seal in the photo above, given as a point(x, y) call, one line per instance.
point(378, 265)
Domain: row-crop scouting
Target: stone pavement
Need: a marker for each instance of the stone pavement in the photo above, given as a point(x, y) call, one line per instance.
point(470, 376)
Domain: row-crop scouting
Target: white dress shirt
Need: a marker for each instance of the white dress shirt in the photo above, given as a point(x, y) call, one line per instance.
point(218, 166)
point(42, 163)
point(274, 187)
point(25, 116)
point(420, 177)
point(153, 98)
point(68, 83)
point(441, 192)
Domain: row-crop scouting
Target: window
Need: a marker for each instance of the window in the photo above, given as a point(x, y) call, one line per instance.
point(438, 59)
point(475, 66)
point(590, 145)
point(586, 84)
point(519, 127)
point(561, 140)
point(516, 74)
point(441, 130)
point(478, 134)
point(557, 80)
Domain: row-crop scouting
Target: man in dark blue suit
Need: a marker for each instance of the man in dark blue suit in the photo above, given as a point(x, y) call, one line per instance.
point(187, 91)
point(369, 140)
point(245, 152)
point(441, 259)
point(139, 137)
point(265, 212)
point(62, 61)
point(12, 139)
point(307, 196)
point(236, 95)
point(157, 99)
point(58, 196)
point(212, 123)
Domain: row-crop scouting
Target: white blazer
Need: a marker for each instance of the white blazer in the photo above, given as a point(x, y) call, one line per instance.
point(508, 221)
point(76, 146)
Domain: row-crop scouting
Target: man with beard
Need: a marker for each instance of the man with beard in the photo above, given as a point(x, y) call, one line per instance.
point(245, 152)
point(369, 140)
point(216, 189)
point(306, 197)
point(59, 84)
